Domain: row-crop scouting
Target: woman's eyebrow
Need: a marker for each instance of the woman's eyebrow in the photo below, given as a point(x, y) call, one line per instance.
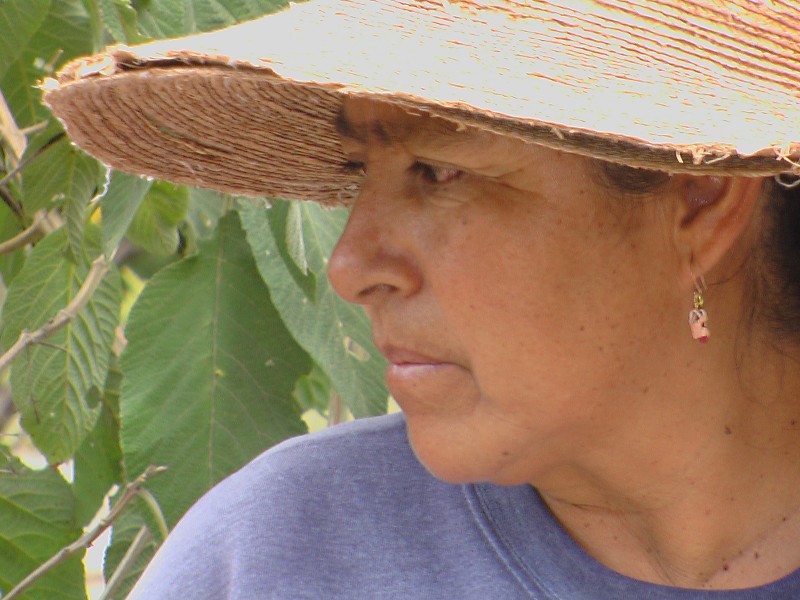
point(361, 133)
point(439, 139)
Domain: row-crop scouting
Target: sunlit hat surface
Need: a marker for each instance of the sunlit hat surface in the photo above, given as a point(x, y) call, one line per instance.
point(703, 86)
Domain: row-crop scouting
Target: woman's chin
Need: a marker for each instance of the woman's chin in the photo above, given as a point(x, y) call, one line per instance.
point(454, 457)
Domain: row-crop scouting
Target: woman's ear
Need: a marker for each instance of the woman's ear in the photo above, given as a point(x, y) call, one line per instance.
point(713, 213)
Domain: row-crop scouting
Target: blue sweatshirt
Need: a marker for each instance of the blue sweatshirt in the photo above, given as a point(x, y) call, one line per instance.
point(350, 513)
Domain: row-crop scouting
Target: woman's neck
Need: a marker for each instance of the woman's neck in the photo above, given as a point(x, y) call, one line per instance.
point(710, 501)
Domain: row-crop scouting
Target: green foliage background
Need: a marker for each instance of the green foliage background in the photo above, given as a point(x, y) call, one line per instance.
point(234, 334)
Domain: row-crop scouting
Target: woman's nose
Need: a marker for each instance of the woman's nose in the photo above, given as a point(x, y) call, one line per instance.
point(374, 259)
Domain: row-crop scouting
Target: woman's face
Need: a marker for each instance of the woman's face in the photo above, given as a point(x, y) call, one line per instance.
point(520, 312)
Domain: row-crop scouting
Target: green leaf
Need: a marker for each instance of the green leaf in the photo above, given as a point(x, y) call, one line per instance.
point(60, 174)
point(170, 18)
point(313, 391)
point(96, 26)
point(57, 385)
point(209, 371)
point(36, 520)
point(295, 243)
point(62, 35)
point(119, 204)
point(206, 208)
point(98, 461)
point(155, 225)
point(75, 217)
point(121, 20)
point(19, 21)
point(336, 334)
point(10, 264)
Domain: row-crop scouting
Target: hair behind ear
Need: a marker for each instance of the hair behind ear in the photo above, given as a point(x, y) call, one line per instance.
point(777, 277)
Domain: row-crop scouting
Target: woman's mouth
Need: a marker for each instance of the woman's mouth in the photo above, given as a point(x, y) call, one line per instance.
point(411, 373)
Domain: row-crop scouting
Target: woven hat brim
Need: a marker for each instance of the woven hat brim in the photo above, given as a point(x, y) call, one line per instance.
point(251, 110)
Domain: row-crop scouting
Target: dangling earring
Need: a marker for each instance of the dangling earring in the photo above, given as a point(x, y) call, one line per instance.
point(698, 317)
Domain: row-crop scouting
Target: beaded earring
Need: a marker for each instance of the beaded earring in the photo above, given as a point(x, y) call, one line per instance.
point(698, 317)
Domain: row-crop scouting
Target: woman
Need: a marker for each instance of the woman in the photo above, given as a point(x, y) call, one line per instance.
point(528, 247)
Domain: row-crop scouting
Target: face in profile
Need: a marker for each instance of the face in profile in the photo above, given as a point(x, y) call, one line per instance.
point(502, 289)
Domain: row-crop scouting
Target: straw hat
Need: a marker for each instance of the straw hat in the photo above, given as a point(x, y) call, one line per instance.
point(703, 86)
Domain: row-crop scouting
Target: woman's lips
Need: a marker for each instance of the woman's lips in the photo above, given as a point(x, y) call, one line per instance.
point(410, 372)
point(401, 356)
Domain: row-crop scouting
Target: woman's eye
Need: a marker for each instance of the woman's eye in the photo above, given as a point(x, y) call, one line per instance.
point(435, 174)
point(355, 166)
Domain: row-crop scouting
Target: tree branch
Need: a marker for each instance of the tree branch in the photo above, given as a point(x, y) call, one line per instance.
point(38, 229)
point(83, 542)
point(13, 205)
point(143, 537)
point(24, 163)
point(94, 277)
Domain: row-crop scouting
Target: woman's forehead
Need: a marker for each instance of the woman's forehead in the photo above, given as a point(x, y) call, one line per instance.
point(365, 124)
point(368, 121)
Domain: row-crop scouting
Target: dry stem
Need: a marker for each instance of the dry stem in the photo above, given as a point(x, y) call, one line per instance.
point(93, 279)
point(83, 542)
point(138, 544)
point(40, 227)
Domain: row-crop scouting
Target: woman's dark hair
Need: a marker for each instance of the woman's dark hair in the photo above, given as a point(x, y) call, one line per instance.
point(781, 258)
point(774, 270)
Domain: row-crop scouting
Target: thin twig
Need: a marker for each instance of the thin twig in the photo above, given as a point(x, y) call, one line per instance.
point(143, 537)
point(24, 163)
point(156, 512)
point(93, 279)
point(83, 542)
point(27, 236)
point(34, 128)
point(13, 205)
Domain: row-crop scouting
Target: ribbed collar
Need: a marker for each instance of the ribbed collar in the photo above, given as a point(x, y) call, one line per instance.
point(550, 565)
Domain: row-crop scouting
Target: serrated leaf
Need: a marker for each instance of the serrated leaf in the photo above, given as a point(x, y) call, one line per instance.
point(74, 223)
point(170, 18)
point(119, 204)
point(62, 35)
point(336, 334)
point(98, 461)
point(61, 174)
point(36, 520)
point(56, 387)
point(209, 371)
point(155, 225)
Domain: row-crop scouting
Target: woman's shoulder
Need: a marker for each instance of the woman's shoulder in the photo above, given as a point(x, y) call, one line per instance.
point(364, 445)
point(328, 498)
point(335, 461)
point(345, 440)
